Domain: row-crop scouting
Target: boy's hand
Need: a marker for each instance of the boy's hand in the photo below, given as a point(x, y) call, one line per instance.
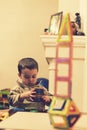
point(46, 98)
point(29, 94)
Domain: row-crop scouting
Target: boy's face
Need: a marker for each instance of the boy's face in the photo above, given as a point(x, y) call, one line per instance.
point(29, 76)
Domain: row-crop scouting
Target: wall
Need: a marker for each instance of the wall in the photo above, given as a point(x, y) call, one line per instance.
point(83, 10)
point(69, 6)
point(21, 23)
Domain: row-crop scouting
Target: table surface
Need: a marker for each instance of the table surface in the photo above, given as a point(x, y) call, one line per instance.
point(36, 121)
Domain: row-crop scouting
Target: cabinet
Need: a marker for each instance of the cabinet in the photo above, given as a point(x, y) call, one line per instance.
point(79, 63)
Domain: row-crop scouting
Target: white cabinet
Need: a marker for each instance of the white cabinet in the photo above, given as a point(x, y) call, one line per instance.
point(79, 83)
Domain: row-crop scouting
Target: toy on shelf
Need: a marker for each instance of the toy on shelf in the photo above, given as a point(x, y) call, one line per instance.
point(63, 112)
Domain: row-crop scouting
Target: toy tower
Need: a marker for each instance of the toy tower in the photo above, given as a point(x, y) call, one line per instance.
point(63, 112)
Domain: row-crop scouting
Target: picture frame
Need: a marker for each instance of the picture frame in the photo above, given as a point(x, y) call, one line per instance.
point(55, 23)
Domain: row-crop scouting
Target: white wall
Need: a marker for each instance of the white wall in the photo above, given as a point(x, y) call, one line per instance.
point(83, 10)
point(21, 23)
point(69, 6)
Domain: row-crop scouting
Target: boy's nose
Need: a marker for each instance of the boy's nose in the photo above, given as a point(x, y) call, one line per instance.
point(30, 79)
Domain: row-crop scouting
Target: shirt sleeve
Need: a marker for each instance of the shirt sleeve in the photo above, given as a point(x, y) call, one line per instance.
point(14, 96)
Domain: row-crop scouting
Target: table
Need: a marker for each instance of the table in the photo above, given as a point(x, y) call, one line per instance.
point(35, 121)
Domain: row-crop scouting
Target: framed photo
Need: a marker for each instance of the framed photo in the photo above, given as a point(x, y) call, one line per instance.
point(55, 23)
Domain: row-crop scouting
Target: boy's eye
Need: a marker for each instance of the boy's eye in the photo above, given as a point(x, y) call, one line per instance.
point(27, 77)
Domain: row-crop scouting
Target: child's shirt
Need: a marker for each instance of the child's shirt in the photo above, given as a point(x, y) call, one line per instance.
point(27, 104)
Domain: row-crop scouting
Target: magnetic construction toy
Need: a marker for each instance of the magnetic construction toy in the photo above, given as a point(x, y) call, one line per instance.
point(63, 112)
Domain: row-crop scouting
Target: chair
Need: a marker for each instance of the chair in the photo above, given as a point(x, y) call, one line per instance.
point(44, 82)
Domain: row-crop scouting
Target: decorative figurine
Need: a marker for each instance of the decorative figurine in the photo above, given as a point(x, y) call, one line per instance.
point(78, 20)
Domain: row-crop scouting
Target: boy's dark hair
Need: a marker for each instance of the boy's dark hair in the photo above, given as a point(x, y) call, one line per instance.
point(29, 63)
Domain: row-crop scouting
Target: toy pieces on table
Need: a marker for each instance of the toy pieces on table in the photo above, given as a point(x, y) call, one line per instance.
point(4, 114)
point(38, 95)
point(63, 113)
point(39, 92)
point(4, 104)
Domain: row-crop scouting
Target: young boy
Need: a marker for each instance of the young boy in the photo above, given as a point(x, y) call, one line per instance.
point(28, 93)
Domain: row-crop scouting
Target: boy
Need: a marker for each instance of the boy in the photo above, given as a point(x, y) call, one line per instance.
point(25, 93)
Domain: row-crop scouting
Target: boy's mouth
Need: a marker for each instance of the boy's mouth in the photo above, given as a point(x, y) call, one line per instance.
point(30, 84)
